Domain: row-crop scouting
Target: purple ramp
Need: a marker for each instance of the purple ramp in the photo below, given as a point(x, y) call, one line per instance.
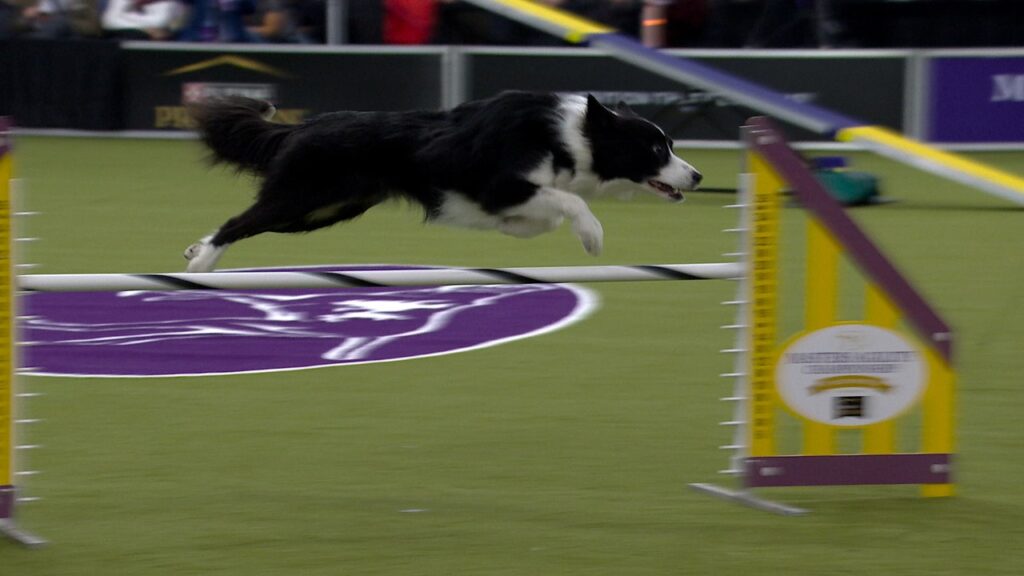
point(755, 96)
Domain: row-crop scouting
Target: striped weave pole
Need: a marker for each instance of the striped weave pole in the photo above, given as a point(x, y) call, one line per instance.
point(366, 278)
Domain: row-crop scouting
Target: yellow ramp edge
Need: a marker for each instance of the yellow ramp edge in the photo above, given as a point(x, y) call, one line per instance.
point(576, 28)
point(1010, 185)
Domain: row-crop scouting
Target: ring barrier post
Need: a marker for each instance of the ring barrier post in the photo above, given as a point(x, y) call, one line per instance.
point(870, 375)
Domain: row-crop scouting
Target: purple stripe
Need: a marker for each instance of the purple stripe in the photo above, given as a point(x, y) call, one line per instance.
point(6, 502)
point(727, 82)
point(848, 470)
point(763, 136)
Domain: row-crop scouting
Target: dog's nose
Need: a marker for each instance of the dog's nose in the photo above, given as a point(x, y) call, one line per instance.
point(697, 177)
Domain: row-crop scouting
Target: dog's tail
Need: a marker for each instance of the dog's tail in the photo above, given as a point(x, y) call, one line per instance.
point(238, 131)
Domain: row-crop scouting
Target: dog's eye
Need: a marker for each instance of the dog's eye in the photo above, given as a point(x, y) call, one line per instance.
point(658, 149)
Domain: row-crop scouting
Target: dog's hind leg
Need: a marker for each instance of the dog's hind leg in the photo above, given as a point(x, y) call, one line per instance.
point(271, 217)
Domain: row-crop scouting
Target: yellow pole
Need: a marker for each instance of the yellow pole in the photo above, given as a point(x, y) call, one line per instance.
point(763, 288)
point(880, 438)
point(937, 434)
point(820, 303)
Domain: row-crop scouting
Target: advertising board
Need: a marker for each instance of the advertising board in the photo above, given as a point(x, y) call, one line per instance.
point(162, 80)
point(976, 98)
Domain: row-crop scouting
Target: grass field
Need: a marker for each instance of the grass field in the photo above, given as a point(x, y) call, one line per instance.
point(566, 454)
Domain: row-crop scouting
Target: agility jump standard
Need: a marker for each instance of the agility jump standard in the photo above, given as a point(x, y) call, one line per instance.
point(8, 359)
point(833, 374)
point(886, 373)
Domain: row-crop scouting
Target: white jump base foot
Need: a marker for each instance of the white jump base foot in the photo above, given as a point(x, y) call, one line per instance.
point(12, 532)
point(746, 498)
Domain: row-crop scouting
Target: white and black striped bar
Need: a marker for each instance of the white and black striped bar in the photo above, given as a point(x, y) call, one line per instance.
point(368, 278)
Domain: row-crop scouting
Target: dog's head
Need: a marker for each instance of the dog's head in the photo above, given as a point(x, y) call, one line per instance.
point(628, 147)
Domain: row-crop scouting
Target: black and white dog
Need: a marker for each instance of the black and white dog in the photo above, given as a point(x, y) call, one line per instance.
point(516, 163)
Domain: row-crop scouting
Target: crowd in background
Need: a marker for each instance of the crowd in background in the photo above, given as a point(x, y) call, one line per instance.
point(687, 22)
point(185, 20)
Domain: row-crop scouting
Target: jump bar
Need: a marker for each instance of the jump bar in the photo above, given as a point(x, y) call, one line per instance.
point(364, 278)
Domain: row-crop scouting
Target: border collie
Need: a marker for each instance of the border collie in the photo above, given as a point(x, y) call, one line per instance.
point(516, 163)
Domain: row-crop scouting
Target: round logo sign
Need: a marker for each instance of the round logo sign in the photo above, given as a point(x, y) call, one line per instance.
point(194, 333)
point(850, 375)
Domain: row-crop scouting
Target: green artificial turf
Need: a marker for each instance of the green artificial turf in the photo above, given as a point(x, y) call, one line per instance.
point(564, 454)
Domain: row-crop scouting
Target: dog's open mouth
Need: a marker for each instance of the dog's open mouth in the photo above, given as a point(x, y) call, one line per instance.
point(669, 192)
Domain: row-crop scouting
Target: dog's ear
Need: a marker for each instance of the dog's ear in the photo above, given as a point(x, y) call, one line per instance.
point(623, 108)
point(597, 113)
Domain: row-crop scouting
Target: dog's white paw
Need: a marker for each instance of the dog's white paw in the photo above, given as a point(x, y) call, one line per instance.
point(196, 248)
point(202, 262)
point(192, 251)
point(193, 268)
point(590, 232)
point(203, 256)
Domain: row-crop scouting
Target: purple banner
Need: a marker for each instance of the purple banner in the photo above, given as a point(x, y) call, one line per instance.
point(976, 99)
point(6, 502)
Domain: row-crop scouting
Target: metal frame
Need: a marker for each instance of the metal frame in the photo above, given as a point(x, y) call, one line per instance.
point(740, 395)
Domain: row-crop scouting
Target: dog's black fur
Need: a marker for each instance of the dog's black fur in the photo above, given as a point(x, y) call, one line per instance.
point(336, 166)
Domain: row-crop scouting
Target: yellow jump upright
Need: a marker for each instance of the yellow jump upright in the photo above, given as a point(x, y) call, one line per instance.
point(8, 496)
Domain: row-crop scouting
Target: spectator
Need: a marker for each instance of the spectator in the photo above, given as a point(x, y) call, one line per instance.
point(8, 19)
point(409, 21)
point(784, 24)
point(462, 23)
point(54, 19)
point(687, 22)
point(365, 21)
point(623, 15)
point(312, 20)
point(277, 22)
point(218, 21)
point(143, 19)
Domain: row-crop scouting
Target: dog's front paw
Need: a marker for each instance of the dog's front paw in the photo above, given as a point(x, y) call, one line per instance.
point(590, 233)
point(192, 251)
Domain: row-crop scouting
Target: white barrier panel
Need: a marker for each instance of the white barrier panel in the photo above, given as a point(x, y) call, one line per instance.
point(348, 278)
